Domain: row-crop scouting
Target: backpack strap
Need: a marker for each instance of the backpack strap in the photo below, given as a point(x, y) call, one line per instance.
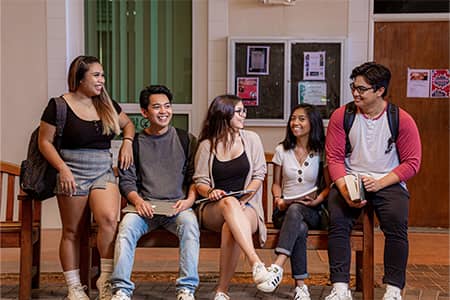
point(393, 121)
point(349, 118)
point(61, 117)
point(184, 140)
point(136, 160)
point(183, 136)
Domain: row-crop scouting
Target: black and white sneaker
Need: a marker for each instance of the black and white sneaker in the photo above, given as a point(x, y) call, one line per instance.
point(276, 275)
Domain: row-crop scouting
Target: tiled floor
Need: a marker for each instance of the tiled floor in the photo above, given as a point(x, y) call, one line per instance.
point(427, 271)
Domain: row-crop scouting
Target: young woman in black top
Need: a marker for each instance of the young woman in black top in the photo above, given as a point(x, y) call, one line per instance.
point(84, 164)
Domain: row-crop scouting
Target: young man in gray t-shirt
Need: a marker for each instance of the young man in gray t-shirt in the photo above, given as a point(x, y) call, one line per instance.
point(162, 170)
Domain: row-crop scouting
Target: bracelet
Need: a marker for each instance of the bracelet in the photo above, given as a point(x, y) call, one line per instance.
point(128, 138)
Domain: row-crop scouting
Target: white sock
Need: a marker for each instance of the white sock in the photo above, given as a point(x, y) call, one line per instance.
point(340, 287)
point(72, 277)
point(393, 289)
point(106, 269)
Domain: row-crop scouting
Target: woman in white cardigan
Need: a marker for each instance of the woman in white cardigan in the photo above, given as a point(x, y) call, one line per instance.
point(230, 158)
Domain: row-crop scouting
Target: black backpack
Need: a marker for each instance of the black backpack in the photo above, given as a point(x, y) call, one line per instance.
point(393, 121)
point(37, 176)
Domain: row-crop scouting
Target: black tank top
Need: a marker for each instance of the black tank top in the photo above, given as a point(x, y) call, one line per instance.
point(230, 175)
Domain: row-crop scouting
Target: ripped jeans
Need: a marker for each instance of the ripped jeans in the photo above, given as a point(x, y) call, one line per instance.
point(184, 225)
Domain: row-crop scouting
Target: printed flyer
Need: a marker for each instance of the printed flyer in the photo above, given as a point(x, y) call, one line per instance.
point(247, 90)
point(440, 87)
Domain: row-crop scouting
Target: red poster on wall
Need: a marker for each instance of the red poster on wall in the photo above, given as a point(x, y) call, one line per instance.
point(440, 83)
point(247, 90)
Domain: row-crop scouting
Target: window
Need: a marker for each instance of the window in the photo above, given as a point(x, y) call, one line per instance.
point(410, 6)
point(142, 42)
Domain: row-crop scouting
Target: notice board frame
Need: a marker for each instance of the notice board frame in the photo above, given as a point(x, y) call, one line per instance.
point(275, 90)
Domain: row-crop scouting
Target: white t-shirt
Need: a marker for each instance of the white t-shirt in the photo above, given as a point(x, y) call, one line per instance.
point(369, 141)
point(292, 171)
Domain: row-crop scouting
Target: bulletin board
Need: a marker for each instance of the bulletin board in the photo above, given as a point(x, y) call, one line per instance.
point(268, 73)
point(331, 80)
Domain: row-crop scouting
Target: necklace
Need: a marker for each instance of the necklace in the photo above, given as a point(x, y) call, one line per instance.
point(301, 157)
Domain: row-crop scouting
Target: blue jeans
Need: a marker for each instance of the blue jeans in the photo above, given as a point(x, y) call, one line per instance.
point(133, 226)
point(391, 206)
point(294, 223)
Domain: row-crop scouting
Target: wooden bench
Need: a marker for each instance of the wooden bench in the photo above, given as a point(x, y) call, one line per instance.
point(361, 243)
point(20, 228)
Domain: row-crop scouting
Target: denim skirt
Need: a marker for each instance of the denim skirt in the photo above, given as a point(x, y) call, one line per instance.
point(91, 168)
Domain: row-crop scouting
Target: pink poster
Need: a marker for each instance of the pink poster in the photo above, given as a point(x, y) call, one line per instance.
point(247, 90)
point(440, 86)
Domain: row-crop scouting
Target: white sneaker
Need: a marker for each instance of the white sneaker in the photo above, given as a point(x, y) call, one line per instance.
point(185, 295)
point(334, 295)
point(221, 296)
point(301, 293)
point(76, 292)
point(276, 275)
point(260, 273)
point(104, 289)
point(119, 295)
point(392, 295)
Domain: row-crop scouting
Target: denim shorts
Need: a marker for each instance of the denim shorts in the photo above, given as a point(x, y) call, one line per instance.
point(91, 168)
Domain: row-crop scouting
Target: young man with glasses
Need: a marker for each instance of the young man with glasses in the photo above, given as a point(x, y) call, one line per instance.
point(162, 170)
point(383, 172)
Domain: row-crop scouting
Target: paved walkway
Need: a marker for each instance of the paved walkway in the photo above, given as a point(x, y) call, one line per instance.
point(241, 291)
point(427, 272)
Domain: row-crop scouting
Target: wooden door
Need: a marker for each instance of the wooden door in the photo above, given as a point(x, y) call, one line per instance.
point(421, 45)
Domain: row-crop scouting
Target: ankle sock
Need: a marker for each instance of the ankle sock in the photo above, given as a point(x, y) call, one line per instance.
point(341, 287)
point(72, 277)
point(106, 269)
point(393, 289)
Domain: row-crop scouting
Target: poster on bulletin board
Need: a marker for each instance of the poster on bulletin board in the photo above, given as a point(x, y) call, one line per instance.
point(314, 65)
point(247, 90)
point(312, 92)
point(258, 60)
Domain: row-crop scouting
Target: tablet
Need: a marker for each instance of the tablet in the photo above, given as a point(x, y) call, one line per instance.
point(160, 207)
point(235, 194)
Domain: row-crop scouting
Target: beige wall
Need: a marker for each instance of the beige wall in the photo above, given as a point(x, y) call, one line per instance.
point(23, 73)
point(307, 19)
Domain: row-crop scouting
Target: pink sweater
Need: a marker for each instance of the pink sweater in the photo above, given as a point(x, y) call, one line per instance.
point(408, 147)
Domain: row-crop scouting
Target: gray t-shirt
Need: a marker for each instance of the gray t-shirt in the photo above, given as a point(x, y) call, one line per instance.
point(159, 173)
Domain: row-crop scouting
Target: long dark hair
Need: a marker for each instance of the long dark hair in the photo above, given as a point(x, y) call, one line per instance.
point(316, 140)
point(217, 126)
point(102, 103)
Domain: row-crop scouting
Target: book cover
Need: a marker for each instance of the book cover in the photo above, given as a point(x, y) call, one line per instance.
point(355, 187)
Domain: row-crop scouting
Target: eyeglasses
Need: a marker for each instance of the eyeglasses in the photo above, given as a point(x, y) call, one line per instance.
point(360, 88)
point(241, 111)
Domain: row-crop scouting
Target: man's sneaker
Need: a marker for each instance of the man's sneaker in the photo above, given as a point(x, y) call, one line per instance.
point(276, 275)
point(334, 295)
point(76, 292)
point(392, 295)
point(301, 293)
point(119, 295)
point(185, 295)
point(221, 296)
point(260, 273)
point(104, 289)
